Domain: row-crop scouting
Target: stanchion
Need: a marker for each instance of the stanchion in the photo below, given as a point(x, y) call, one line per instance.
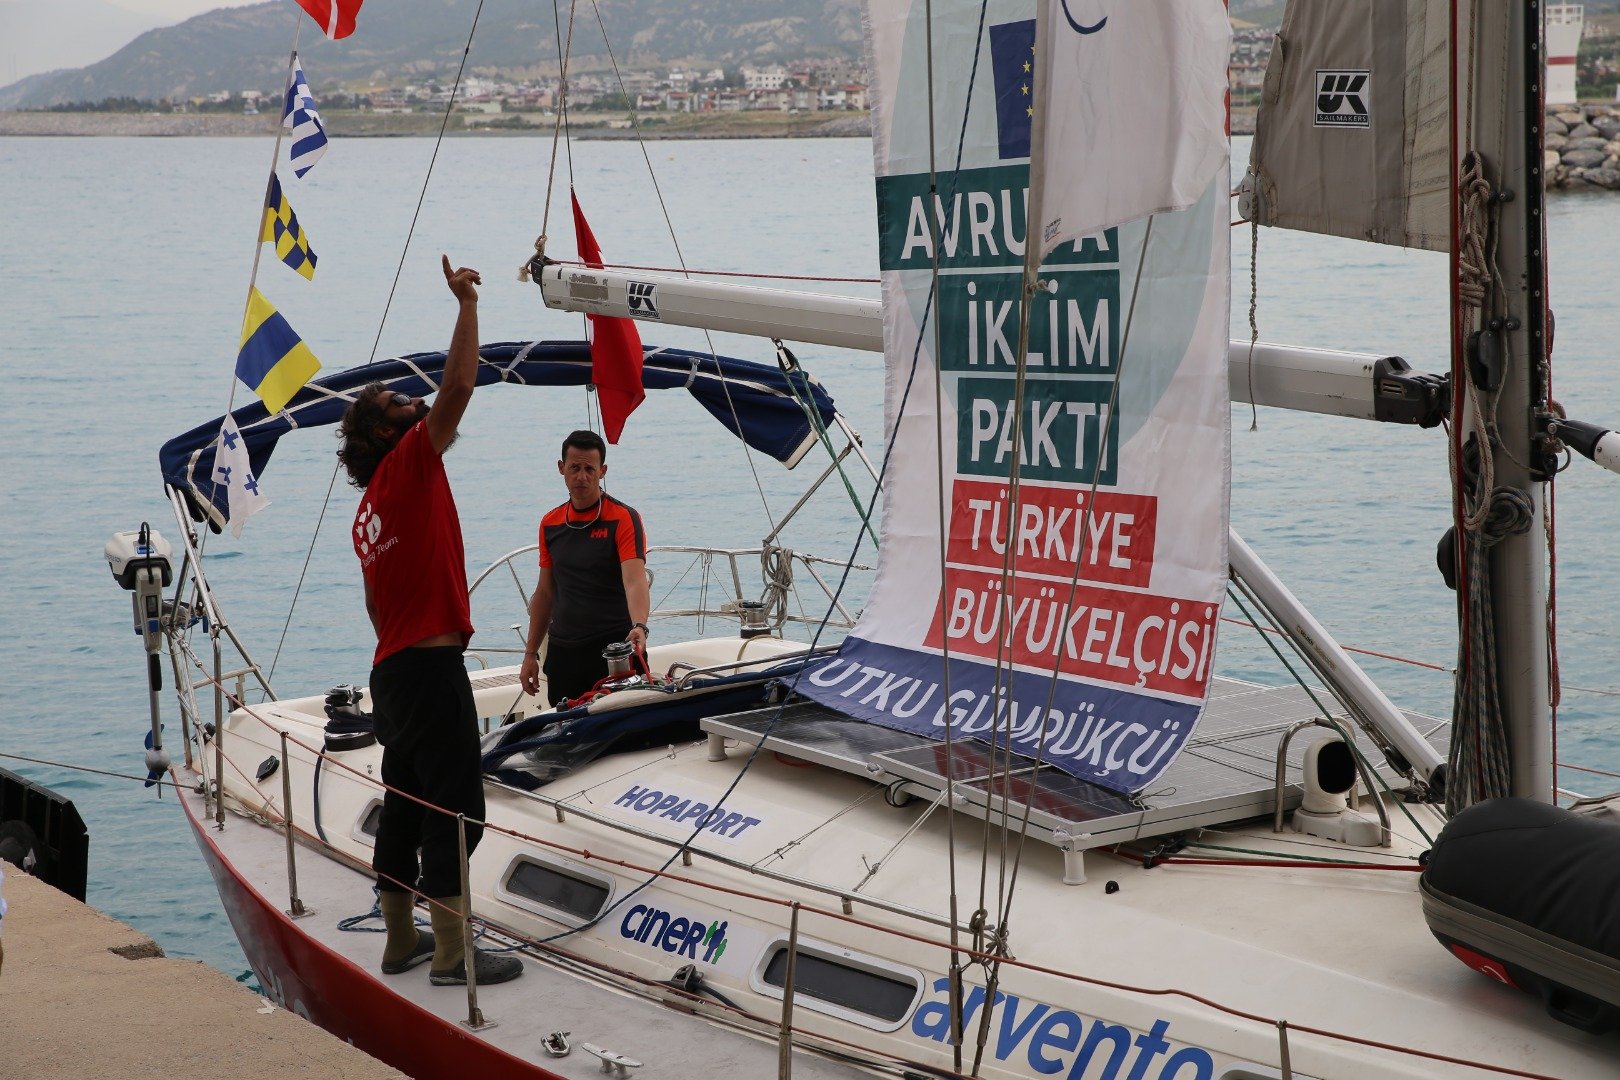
point(297, 909)
point(475, 1018)
point(784, 1046)
point(219, 741)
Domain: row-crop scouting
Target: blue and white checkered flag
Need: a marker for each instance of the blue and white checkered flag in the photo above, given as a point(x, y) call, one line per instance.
point(308, 136)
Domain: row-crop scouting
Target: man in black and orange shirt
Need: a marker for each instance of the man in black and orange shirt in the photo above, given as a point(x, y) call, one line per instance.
point(593, 578)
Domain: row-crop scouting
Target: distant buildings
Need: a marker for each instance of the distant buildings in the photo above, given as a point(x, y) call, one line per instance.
point(807, 86)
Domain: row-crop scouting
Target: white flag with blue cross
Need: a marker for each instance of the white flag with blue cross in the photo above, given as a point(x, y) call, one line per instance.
point(234, 472)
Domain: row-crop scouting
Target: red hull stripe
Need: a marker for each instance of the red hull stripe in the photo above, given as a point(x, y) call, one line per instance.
point(310, 979)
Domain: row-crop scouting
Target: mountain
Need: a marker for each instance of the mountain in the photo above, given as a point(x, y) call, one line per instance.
point(245, 47)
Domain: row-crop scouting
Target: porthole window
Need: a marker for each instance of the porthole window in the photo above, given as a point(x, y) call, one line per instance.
point(553, 889)
point(365, 830)
point(837, 981)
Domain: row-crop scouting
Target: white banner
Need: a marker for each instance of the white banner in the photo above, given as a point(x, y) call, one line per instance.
point(1096, 652)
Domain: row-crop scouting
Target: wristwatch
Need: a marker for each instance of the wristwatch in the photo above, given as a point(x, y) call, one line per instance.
point(642, 627)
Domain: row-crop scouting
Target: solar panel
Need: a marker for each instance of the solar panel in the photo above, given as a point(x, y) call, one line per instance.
point(1226, 772)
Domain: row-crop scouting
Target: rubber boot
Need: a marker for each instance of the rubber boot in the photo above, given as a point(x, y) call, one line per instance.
point(450, 958)
point(406, 946)
point(447, 914)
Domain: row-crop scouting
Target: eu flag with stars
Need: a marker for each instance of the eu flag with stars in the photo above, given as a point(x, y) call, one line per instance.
point(308, 133)
point(282, 229)
point(1012, 60)
point(273, 360)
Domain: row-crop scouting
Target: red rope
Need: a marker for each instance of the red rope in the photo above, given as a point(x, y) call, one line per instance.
point(1584, 768)
point(1297, 864)
point(1346, 648)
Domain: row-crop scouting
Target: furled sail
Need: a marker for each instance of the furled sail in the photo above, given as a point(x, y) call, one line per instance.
point(1352, 137)
point(780, 413)
point(1071, 614)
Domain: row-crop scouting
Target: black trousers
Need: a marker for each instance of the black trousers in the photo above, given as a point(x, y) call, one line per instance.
point(422, 704)
point(572, 669)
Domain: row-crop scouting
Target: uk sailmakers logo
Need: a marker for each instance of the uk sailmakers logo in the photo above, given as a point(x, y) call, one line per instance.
point(1343, 98)
point(642, 297)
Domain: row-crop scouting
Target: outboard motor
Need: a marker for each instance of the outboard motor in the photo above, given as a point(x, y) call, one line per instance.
point(139, 561)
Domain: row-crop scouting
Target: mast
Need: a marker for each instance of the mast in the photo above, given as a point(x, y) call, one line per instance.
point(1497, 105)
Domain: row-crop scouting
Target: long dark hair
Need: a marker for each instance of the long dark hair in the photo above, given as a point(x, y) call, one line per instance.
point(363, 449)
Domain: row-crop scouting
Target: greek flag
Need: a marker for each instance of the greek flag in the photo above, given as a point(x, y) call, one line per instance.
point(282, 229)
point(234, 472)
point(308, 136)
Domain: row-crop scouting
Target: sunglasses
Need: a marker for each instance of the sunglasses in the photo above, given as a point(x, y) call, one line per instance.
point(397, 398)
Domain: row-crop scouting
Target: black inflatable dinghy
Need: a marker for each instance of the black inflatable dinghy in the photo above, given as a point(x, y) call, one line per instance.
point(1529, 894)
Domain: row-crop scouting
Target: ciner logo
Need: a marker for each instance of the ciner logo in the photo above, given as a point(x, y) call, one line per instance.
point(675, 934)
point(1343, 99)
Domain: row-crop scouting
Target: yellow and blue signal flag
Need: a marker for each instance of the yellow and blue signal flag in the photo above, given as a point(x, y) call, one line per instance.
point(282, 229)
point(273, 360)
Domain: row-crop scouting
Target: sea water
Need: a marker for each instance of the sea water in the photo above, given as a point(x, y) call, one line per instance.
point(126, 263)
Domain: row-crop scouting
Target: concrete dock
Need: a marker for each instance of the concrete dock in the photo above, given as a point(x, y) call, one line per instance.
point(82, 995)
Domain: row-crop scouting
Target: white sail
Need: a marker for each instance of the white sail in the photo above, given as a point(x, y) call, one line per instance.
point(1096, 651)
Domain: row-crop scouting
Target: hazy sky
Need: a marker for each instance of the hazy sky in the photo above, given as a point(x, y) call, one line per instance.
point(41, 35)
point(177, 9)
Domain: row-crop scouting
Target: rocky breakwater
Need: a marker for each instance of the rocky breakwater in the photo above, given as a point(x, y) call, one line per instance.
point(1583, 148)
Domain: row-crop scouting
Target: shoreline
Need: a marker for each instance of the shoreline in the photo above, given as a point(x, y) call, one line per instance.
point(759, 125)
point(654, 126)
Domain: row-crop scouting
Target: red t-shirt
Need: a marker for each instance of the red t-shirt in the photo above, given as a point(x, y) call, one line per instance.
point(408, 538)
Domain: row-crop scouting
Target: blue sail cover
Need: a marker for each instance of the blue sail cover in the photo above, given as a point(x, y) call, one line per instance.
point(767, 408)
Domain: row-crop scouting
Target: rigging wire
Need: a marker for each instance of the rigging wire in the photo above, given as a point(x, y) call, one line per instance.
point(931, 323)
point(258, 245)
point(843, 581)
point(1008, 887)
point(935, 224)
point(1332, 722)
point(680, 256)
point(376, 341)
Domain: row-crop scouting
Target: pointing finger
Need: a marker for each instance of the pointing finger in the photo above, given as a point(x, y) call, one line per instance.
point(447, 271)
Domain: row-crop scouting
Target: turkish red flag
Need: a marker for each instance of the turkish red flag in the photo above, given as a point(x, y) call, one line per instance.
point(615, 346)
point(336, 17)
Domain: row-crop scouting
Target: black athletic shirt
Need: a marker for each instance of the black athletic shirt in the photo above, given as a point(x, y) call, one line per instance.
point(584, 551)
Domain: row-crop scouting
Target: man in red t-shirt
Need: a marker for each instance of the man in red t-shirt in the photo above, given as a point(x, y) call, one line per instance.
point(593, 578)
point(408, 539)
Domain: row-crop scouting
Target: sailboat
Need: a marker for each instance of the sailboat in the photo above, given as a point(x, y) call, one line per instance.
point(933, 850)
